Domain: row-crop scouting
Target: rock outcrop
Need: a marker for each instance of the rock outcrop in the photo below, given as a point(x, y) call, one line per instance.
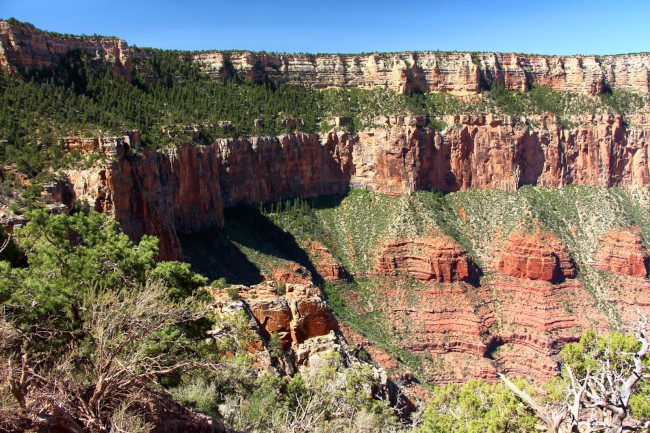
point(184, 190)
point(114, 147)
point(622, 252)
point(157, 194)
point(432, 259)
point(307, 329)
point(296, 316)
point(535, 256)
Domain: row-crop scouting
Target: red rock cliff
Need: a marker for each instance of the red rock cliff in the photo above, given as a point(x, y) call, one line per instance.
point(157, 194)
point(185, 190)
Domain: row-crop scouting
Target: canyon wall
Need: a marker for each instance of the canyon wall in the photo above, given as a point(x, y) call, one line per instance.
point(23, 47)
point(185, 190)
point(156, 194)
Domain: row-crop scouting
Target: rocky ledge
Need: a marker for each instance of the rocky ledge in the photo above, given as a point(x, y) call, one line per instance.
point(23, 48)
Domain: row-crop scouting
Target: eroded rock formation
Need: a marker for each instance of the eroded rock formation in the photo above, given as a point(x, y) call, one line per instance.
point(535, 256)
point(460, 73)
point(432, 259)
point(296, 316)
point(157, 194)
point(23, 47)
point(515, 321)
point(622, 252)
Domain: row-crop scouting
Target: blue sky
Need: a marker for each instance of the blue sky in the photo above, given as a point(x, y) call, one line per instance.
point(545, 27)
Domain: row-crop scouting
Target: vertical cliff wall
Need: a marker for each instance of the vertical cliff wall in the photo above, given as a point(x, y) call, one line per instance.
point(185, 190)
point(158, 194)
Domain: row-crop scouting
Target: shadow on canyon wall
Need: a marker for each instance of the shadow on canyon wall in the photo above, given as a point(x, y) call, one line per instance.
point(224, 253)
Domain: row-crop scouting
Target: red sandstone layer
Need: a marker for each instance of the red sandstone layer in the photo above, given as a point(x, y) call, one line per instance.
point(433, 259)
point(535, 256)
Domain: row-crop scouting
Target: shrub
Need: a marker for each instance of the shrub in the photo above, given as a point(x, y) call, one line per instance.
point(233, 293)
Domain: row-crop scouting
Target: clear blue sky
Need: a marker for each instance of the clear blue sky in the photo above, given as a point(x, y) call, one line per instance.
point(530, 26)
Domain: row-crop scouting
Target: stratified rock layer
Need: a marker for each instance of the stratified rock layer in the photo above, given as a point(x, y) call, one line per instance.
point(436, 71)
point(536, 256)
point(622, 252)
point(513, 322)
point(25, 48)
point(157, 194)
point(433, 259)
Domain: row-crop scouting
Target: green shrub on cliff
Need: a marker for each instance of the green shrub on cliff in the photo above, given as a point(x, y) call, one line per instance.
point(477, 407)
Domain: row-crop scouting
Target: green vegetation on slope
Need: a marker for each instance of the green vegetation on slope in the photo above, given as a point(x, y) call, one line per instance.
point(355, 227)
point(93, 330)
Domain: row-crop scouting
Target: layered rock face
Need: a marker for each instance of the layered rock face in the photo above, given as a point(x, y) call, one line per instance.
point(24, 48)
point(115, 147)
point(622, 252)
point(264, 169)
point(536, 257)
point(488, 152)
point(534, 320)
point(460, 73)
point(185, 190)
point(439, 259)
point(517, 320)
